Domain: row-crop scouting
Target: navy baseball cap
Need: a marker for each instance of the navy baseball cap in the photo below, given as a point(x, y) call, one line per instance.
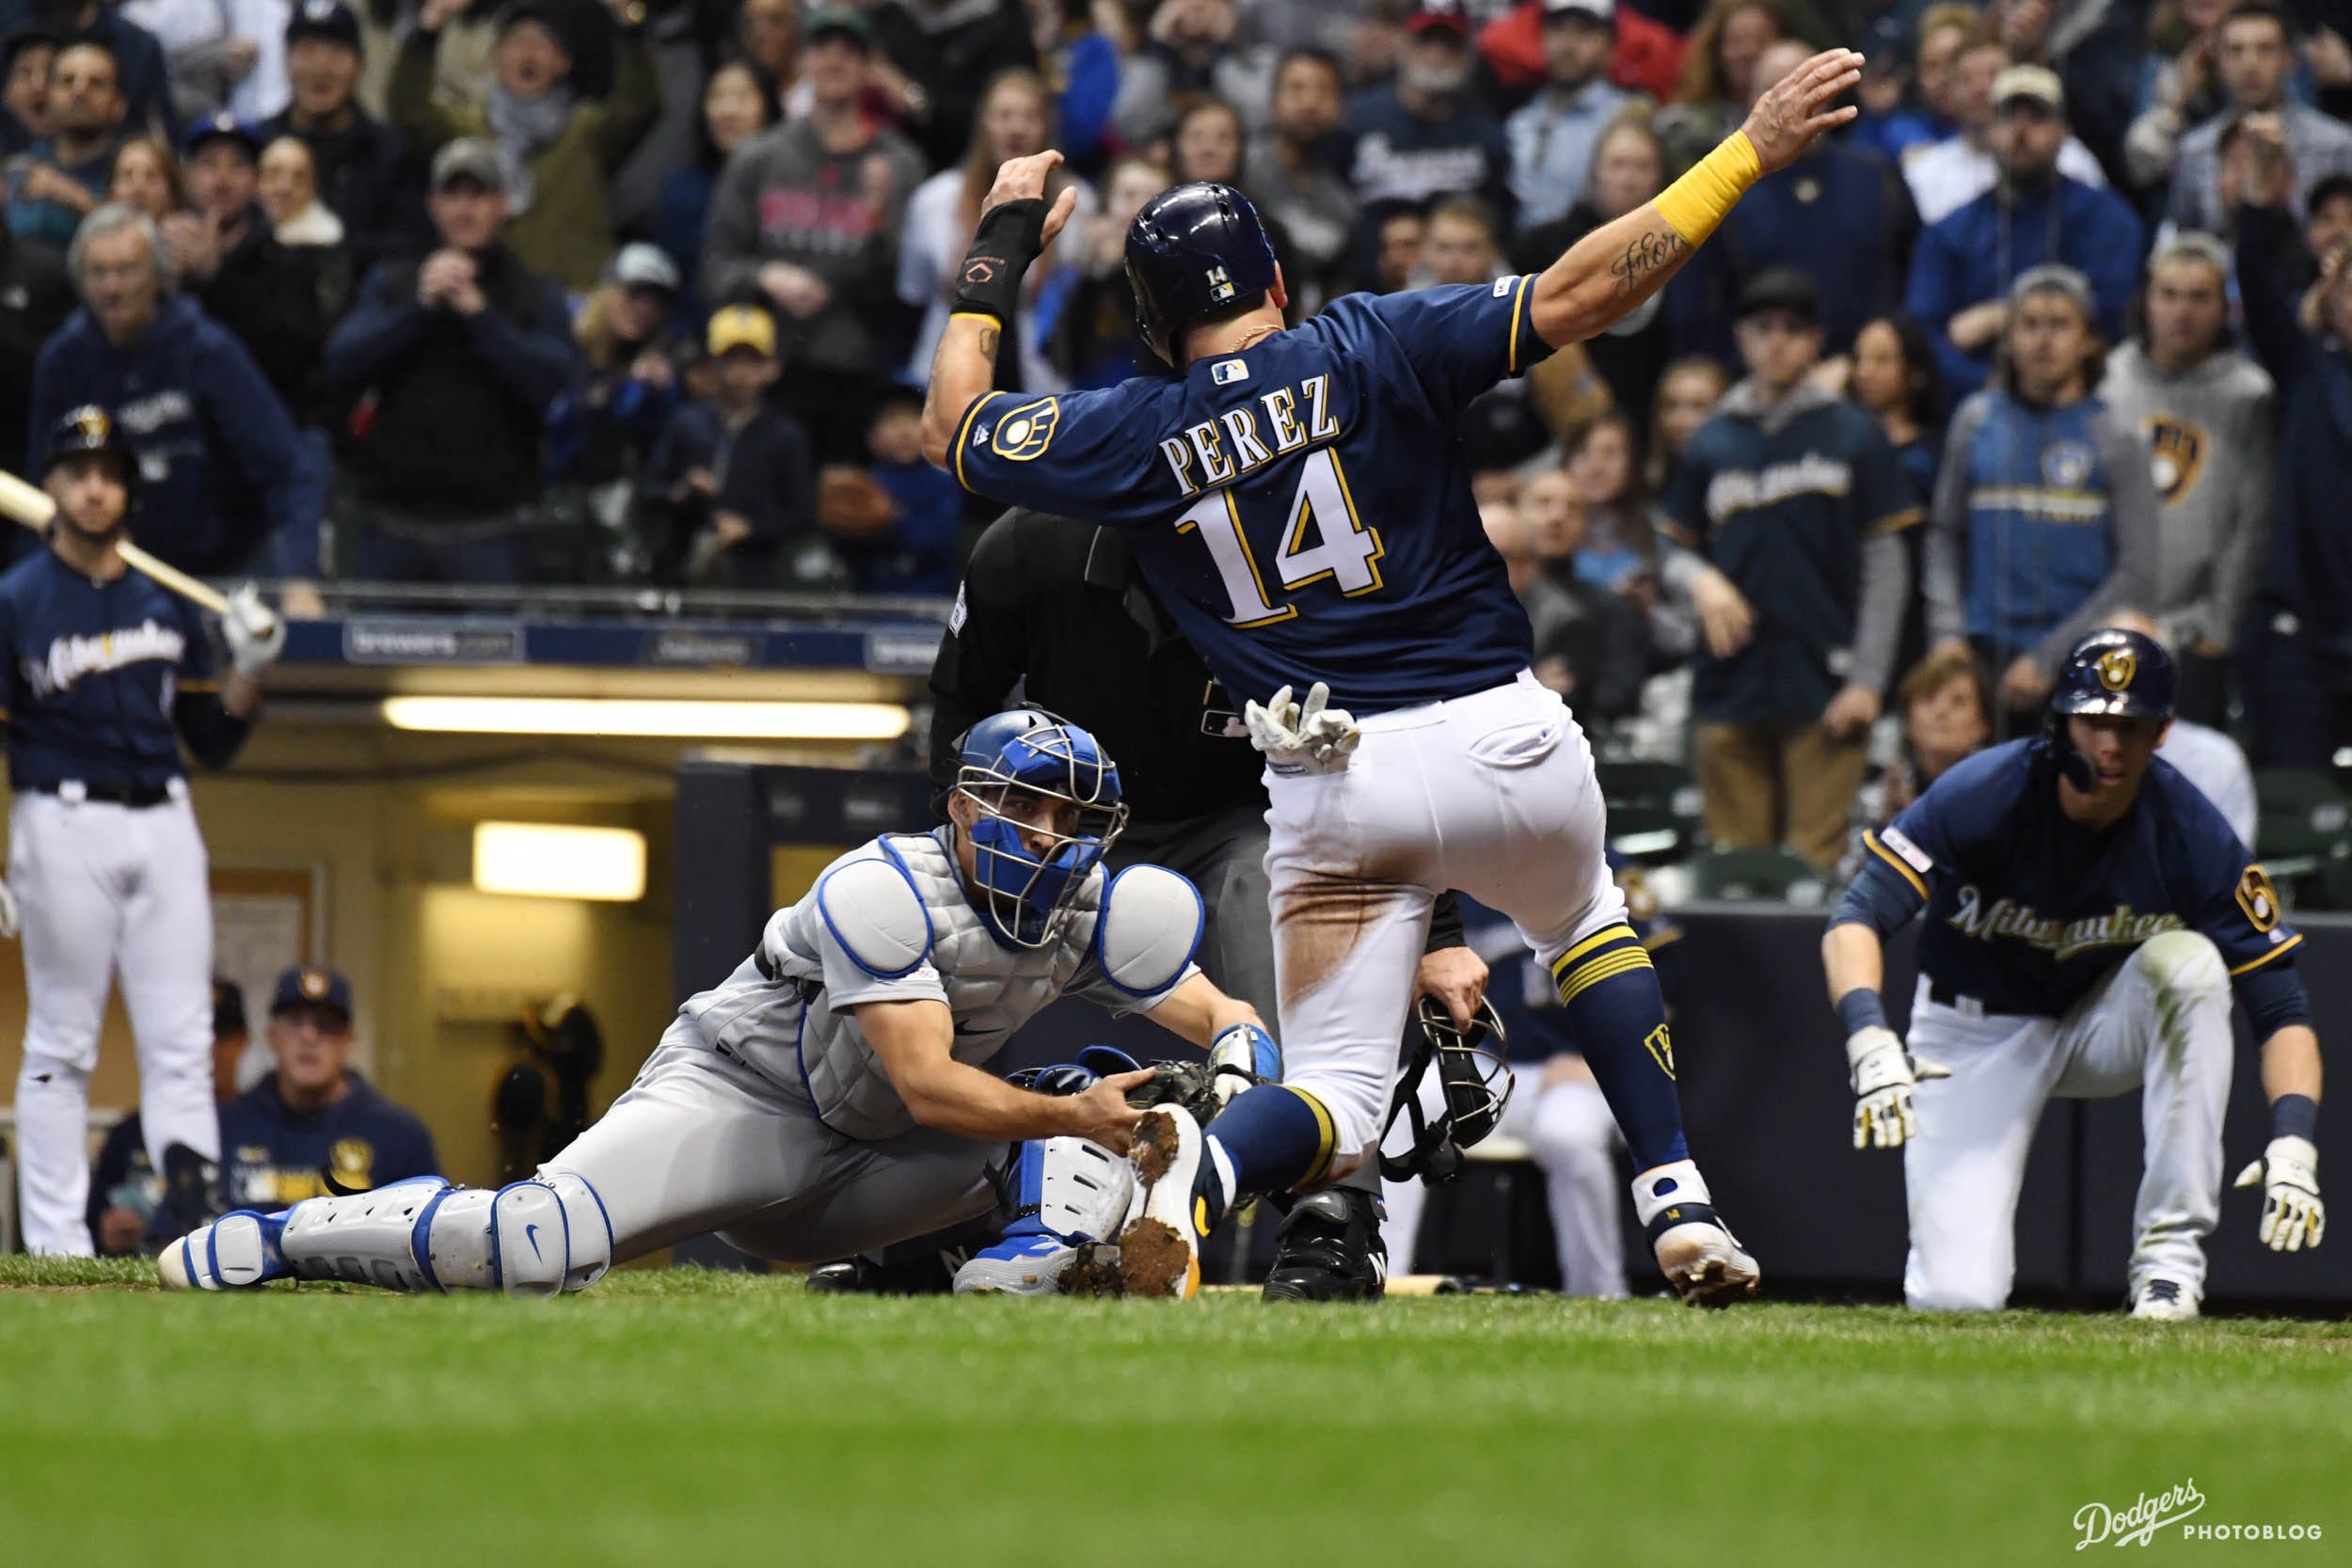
point(330, 20)
point(223, 126)
point(311, 986)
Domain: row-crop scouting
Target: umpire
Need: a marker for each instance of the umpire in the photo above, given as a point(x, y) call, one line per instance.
point(1060, 606)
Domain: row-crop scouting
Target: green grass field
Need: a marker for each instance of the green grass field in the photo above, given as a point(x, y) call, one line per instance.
point(686, 1418)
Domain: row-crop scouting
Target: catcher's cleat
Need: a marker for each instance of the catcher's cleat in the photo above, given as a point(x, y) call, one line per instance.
point(1159, 1251)
point(234, 1252)
point(1699, 1255)
point(1032, 1265)
point(871, 1277)
point(1329, 1249)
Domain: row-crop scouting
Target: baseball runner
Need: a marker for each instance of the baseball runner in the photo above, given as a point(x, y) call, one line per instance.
point(107, 674)
point(1298, 502)
point(826, 1099)
point(2089, 916)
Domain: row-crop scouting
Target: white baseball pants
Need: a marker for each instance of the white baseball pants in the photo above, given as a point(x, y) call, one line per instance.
point(109, 894)
point(2162, 1021)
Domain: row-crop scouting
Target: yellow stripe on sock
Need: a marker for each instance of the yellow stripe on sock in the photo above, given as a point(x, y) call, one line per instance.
point(1602, 937)
point(1608, 968)
point(1326, 1139)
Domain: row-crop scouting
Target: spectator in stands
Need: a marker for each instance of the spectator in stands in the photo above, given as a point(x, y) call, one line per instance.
point(1074, 51)
point(900, 533)
point(1688, 390)
point(2257, 53)
point(1711, 97)
point(786, 227)
point(1946, 714)
point(147, 176)
point(1595, 647)
point(287, 186)
point(601, 433)
point(739, 103)
point(559, 154)
point(1016, 120)
point(365, 173)
point(1206, 146)
point(1838, 214)
point(36, 297)
point(730, 490)
point(1426, 135)
point(1085, 313)
point(1786, 509)
point(2206, 756)
point(454, 362)
point(24, 58)
point(315, 1118)
point(1398, 230)
point(1291, 179)
point(1948, 175)
point(2096, 51)
point(2301, 702)
point(2044, 516)
point(1188, 53)
point(126, 1193)
point(63, 177)
point(1555, 138)
point(228, 257)
point(1629, 168)
point(2209, 417)
point(1620, 549)
point(1894, 381)
point(222, 55)
point(1920, 114)
point(2181, 88)
point(142, 80)
point(768, 34)
point(222, 469)
point(938, 56)
point(1961, 275)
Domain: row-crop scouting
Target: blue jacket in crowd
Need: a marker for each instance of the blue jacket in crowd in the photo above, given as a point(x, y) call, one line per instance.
point(222, 468)
point(272, 1155)
point(1975, 255)
point(1842, 217)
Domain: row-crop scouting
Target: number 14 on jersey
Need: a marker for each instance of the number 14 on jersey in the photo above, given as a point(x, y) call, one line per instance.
point(1343, 551)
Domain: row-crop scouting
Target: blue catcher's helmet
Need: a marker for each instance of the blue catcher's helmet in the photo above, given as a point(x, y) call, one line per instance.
point(2121, 674)
point(1193, 251)
point(1013, 766)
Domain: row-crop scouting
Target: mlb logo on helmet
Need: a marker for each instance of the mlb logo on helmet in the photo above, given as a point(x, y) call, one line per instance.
point(2116, 668)
point(1220, 286)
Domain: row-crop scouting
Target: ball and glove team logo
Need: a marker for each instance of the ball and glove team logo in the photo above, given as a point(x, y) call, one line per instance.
point(2117, 667)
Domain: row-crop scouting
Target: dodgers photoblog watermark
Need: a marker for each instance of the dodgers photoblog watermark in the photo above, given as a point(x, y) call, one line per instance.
point(2136, 1525)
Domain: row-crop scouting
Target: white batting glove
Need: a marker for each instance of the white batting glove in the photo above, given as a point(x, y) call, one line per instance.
point(1884, 1074)
point(1308, 737)
point(2288, 1174)
point(1240, 1057)
point(255, 634)
point(9, 922)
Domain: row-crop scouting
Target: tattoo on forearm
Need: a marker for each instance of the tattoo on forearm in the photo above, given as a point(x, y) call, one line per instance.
point(988, 343)
point(1645, 255)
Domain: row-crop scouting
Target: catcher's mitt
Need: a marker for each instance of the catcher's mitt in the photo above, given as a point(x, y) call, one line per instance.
point(851, 506)
point(1191, 1085)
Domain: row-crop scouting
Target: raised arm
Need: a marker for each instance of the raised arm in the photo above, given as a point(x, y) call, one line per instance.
point(1016, 225)
point(1610, 272)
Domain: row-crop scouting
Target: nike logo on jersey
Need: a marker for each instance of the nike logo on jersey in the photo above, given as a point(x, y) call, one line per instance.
point(71, 657)
point(2122, 928)
point(531, 1234)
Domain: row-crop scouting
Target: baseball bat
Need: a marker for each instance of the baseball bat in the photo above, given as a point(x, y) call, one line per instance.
point(33, 506)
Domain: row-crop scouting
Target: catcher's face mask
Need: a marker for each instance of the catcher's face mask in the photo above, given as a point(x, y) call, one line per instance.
point(1473, 1084)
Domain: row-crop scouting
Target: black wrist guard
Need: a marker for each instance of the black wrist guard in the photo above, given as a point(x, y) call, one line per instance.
point(1008, 239)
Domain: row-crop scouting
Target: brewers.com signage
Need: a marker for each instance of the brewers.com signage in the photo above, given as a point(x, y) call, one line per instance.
point(426, 643)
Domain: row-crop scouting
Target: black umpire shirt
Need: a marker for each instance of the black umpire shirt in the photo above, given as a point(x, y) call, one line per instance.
point(1060, 605)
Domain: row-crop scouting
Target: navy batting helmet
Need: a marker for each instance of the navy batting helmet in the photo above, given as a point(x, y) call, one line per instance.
point(2120, 674)
point(90, 429)
point(1191, 252)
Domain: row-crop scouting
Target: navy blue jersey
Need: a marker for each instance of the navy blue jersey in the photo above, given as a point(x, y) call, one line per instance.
point(1303, 507)
point(273, 1156)
point(2027, 911)
point(92, 672)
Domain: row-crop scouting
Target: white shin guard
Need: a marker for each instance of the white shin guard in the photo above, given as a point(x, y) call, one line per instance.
point(1084, 1191)
point(529, 1238)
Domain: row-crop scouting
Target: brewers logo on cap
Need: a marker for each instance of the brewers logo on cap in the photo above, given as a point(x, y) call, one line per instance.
point(314, 983)
point(93, 423)
point(2117, 667)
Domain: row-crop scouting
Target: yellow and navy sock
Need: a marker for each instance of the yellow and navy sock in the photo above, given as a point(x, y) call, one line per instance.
point(1270, 1139)
point(1611, 992)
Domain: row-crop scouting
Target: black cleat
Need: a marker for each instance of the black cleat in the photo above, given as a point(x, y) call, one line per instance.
point(1329, 1249)
point(869, 1277)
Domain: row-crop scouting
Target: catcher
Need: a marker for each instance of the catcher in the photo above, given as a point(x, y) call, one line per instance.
point(828, 1097)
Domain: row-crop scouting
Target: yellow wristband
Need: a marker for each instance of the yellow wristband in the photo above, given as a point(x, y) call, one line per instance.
point(981, 316)
point(1694, 204)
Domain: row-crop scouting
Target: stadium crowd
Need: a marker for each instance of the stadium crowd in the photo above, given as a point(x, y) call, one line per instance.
point(598, 291)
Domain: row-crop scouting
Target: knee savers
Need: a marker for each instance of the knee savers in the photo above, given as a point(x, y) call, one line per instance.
point(529, 1239)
